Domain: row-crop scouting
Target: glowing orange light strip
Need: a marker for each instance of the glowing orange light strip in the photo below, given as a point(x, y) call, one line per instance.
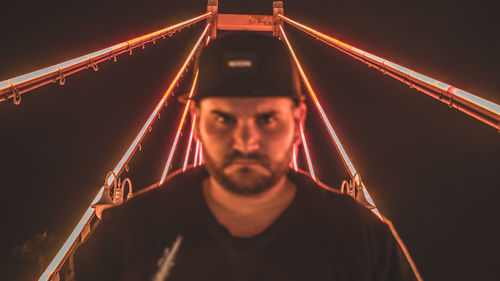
point(306, 150)
point(35, 79)
point(477, 107)
point(333, 135)
point(62, 254)
point(90, 211)
point(347, 162)
point(197, 153)
point(355, 175)
point(294, 158)
point(188, 149)
point(126, 157)
point(201, 156)
point(179, 129)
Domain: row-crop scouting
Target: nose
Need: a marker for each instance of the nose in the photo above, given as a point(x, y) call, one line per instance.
point(246, 137)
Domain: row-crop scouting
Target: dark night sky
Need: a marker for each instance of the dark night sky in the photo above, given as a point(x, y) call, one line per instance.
point(432, 170)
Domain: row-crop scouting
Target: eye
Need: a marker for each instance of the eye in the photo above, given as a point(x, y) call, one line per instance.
point(266, 119)
point(224, 119)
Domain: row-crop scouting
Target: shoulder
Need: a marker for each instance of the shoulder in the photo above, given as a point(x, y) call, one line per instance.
point(318, 192)
point(179, 186)
point(332, 205)
point(159, 210)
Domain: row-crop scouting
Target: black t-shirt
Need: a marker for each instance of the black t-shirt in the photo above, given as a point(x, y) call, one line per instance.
point(170, 232)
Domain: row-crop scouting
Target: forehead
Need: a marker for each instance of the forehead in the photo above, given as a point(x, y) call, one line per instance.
point(247, 105)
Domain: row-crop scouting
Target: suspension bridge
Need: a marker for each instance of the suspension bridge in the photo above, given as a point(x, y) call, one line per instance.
point(15, 90)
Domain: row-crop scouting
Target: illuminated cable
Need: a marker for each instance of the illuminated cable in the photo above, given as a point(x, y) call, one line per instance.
point(201, 156)
point(196, 153)
point(126, 157)
point(62, 254)
point(63, 251)
point(345, 158)
point(188, 149)
point(35, 79)
point(306, 150)
point(179, 129)
point(333, 135)
point(477, 107)
point(347, 162)
point(294, 158)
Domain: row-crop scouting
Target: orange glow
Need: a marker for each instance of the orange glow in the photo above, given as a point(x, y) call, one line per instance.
point(318, 34)
point(347, 162)
point(196, 153)
point(142, 39)
point(170, 156)
point(201, 155)
point(188, 149)
point(306, 150)
point(75, 234)
point(94, 57)
point(495, 108)
point(294, 158)
point(126, 157)
point(333, 135)
point(186, 108)
point(179, 129)
point(474, 102)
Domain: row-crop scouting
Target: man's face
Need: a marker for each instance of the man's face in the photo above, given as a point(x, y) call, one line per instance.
point(248, 142)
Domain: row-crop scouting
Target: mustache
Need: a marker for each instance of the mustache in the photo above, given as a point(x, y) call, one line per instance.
point(238, 155)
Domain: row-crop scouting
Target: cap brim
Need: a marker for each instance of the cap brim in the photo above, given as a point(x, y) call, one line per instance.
point(184, 98)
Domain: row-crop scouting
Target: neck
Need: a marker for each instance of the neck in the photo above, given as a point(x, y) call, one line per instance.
point(248, 204)
point(247, 215)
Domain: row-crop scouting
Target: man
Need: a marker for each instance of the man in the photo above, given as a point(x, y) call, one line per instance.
point(244, 215)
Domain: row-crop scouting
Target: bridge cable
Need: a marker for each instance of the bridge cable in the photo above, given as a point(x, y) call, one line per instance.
point(477, 107)
point(14, 87)
point(70, 243)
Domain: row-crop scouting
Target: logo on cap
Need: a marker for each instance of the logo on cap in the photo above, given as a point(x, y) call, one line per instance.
point(239, 63)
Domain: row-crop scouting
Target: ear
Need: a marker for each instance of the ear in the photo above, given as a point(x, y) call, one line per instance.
point(299, 117)
point(194, 111)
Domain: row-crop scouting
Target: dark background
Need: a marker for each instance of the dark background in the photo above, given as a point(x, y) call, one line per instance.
point(432, 170)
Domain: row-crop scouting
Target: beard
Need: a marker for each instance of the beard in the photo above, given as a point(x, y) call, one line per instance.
point(245, 180)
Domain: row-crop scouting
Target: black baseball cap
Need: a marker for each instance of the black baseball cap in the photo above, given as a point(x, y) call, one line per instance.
point(246, 64)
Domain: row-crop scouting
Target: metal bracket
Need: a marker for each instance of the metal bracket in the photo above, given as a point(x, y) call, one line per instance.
point(355, 189)
point(268, 23)
point(16, 97)
point(245, 22)
point(114, 194)
point(60, 76)
point(212, 7)
point(277, 21)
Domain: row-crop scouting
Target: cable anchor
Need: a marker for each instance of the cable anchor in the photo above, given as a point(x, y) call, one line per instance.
point(119, 191)
point(128, 48)
point(60, 76)
point(106, 200)
point(16, 98)
point(355, 189)
point(113, 55)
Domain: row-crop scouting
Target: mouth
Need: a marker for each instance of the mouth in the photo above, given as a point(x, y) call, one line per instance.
point(245, 162)
point(246, 165)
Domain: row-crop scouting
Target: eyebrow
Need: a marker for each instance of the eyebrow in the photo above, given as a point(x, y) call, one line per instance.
point(219, 112)
point(265, 113)
point(268, 113)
